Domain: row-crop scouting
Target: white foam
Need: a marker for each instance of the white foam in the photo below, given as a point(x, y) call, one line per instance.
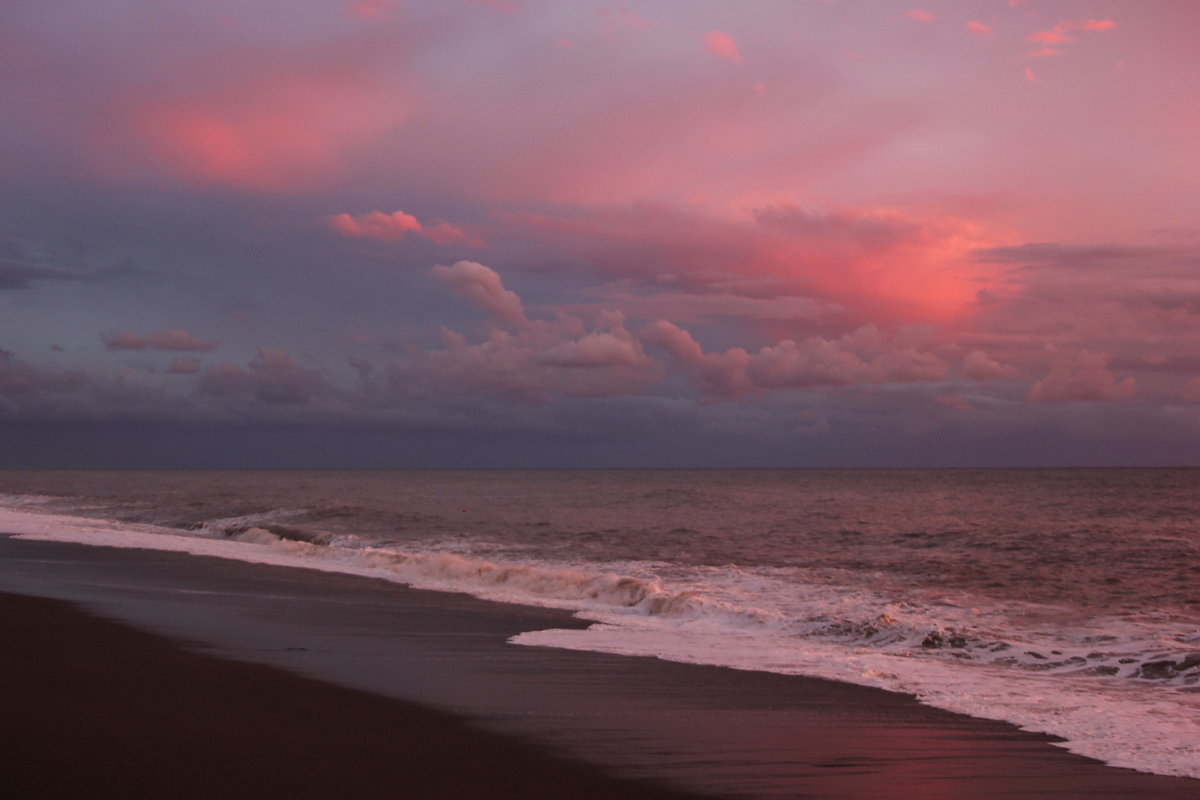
point(256, 536)
point(1025, 664)
point(1120, 723)
point(24, 500)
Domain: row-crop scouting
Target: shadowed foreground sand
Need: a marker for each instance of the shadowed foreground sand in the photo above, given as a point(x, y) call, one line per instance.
point(91, 708)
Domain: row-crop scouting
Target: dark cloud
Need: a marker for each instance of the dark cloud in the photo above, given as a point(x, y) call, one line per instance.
point(19, 380)
point(18, 275)
point(173, 339)
point(21, 276)
point(1145, 260)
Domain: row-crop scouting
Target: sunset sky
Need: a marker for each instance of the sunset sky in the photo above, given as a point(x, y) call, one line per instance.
point(599, 233)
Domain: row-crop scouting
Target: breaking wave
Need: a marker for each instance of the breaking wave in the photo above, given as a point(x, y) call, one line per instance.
point(711, 600)
point(1093, 682)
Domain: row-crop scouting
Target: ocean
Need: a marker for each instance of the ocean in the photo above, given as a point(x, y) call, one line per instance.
point(1066, 601)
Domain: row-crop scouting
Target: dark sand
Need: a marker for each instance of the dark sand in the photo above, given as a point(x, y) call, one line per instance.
point(92, 708)
point(86, 703)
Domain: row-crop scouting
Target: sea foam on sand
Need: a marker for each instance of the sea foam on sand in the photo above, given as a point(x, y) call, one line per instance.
point(1123, 723)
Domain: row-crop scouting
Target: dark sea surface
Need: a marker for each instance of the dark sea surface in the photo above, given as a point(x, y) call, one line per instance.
point(1066, 601)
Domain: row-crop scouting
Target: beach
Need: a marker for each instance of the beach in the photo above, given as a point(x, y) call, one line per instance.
point(264, 681)
point(141, 717)
point(786, 399)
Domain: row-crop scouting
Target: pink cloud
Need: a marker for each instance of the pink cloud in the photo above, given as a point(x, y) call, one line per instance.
point(720, 302)
point(722, 45)
point(445, 233)
point(189, 365)
point(864, 356)
point(675, 340)
point(722, 374)
point(663, 134)
point(396, 225)
point(483, 288)
point(596, 349)
point(979, 366)
point(534, 364)
point(954, 401)
point(980, 29)
point(920, 15)
point(1060, 33)
point(371, 9)
point(815, 362)
point(39, 392)
point(1138, 305)
point(533, 359)
point(622, 17)
point(175, 339)
point(376, 225)
point(1030, 75)
point(1045, 52)
point(224, 379)
point(256, 120)
point(1056, 36)
point(20, 379)
point(880, 263)
point(1084, 378)
point(273, 377)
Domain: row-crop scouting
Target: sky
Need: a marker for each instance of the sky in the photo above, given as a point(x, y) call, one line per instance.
point(599, 233)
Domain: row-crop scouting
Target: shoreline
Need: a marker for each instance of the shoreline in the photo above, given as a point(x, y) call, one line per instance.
point(704, 728)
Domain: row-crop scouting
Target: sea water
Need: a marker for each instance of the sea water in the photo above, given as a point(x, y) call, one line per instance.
point(1065, 601)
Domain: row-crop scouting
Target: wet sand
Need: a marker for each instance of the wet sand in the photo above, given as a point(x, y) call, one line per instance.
point(92, 708)
point(362, 688)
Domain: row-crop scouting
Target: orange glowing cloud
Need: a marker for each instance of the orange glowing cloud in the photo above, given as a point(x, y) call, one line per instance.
point(1060, 33)
point(878, 263)
point(980, 29)
point(376, 225)
point(396, 225)
point(261, 150)
point(920, 15)
point(248, 124)
point(889, 264)
point(1055, 36)
point(722, 45)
